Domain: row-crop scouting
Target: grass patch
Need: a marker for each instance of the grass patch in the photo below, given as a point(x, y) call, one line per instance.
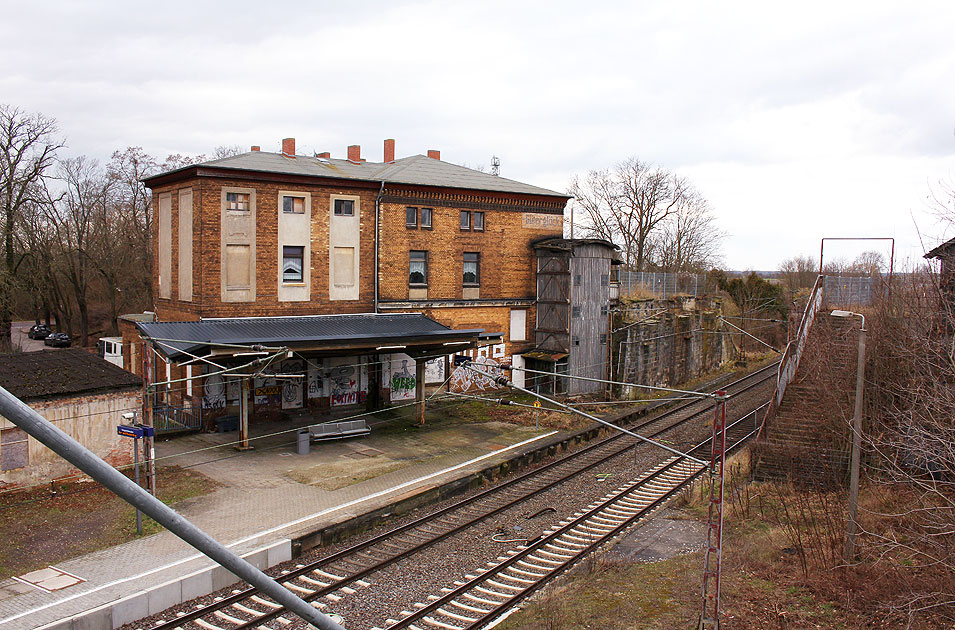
point(338, 475)
point(777, 572)
point(614, 596)
point(50, 524)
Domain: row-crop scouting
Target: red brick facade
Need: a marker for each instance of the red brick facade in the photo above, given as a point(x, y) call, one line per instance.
point(507, 262)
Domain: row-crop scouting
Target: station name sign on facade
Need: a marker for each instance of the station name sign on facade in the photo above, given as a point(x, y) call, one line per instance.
point(542, 221)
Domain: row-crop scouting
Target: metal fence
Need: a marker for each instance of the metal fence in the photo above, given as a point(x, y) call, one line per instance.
point(663, 285)
point(851, 290)
point(168, 419)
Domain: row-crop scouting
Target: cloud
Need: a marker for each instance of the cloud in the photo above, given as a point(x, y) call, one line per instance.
point(795, 120)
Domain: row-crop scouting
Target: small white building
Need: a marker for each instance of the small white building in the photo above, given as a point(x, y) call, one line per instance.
point(79, 392)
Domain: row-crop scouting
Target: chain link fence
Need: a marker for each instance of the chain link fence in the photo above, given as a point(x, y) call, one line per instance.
point(851, 290)
point(663, 285)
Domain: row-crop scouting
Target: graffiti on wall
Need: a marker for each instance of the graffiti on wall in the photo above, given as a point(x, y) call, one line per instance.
point(402, 377)
point(292, 388)
point(214, 392)
point(347, 380)
point(434, 370)
point(465, 380)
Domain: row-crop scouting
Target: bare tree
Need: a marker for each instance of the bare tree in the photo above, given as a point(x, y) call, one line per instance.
point(870, 263)
point(27, 150)
point(72, 219)
point(133, 206)
point(910, 436)
point(604, 216)
point(689, 240)
point(631, 203)
point(223, 151)
point(799, 272)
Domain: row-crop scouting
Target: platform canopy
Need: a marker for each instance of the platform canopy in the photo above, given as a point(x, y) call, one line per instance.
point(410, 333)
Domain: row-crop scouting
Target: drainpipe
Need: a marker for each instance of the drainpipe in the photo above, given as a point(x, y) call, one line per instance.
point(377, 213)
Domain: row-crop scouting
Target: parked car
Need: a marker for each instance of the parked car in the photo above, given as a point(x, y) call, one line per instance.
point(39, 331)
point(58, 340)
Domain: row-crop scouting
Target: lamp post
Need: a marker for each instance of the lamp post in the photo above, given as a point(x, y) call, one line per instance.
point(852, 528)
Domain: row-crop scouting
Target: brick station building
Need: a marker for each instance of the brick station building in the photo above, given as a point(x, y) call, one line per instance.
point(281, 235)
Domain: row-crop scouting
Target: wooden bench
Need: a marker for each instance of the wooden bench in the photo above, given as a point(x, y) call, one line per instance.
point(335, 430)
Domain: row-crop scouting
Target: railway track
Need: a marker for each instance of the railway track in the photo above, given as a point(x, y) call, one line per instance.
point(326, 581)
point(491, 592)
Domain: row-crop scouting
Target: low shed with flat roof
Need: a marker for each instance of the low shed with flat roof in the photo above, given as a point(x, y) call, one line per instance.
point(79, 392)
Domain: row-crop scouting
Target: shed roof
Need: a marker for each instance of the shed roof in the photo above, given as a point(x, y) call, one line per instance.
point(177, 340)
point(49, 373)
point(416, 169)
point(945, 249)
point(569, 245)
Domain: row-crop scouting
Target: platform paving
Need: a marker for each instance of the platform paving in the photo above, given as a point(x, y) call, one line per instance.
point(268, 496)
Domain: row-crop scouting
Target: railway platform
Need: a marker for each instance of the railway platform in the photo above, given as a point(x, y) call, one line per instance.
point(267, 498)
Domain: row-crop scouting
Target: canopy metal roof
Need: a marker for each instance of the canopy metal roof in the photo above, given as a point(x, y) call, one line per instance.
point(319, 333)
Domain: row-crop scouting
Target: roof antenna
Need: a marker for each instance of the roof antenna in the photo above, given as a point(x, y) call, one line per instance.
point(495, 165)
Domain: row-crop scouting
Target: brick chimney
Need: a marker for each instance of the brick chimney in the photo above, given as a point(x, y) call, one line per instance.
point(434, 154)
point(325, 155)
point(354, 153)
point(256, 147)
point(288, 147)
point(389, 150)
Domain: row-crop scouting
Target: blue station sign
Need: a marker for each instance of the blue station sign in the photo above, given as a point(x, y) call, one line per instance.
point(133, 431)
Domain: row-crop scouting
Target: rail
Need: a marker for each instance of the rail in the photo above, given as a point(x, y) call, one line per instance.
point(167, 419)
point(789, 363)
point(338, 573)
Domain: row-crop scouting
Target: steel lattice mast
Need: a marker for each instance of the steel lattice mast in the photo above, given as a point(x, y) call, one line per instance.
point(709, 616)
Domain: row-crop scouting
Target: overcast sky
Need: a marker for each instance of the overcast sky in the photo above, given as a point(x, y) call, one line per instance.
point(817, 119)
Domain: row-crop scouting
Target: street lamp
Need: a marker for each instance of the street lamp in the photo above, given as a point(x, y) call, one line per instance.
point(852, 527)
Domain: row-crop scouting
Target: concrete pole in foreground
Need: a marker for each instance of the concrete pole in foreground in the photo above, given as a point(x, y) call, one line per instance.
point(66, 447)
point(852, 527)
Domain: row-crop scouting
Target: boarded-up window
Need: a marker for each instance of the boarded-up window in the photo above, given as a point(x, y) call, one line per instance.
point(185, 244)
point(165, 245)
point(14, 449)
point(518, 325)
point(237, 273)
point(344, 266)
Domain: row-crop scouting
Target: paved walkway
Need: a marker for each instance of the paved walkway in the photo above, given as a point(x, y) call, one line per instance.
point(268, 494)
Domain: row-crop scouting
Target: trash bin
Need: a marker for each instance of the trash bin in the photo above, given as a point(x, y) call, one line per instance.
point(303, 441)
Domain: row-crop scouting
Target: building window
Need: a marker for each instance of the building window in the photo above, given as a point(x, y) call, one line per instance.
point(411, 217)
point(293, 205)
point(238, 267)
point(426, 218)
point(603, 309)
point(472, 220)
point(605, 279)
point(472, 269)
point(603, 339)
point(576, 340)
point(237, 201)
point(293, 258)
point(14, 449)
point(575, 311)
point(518, 325)
point(418, 268)
point(344, 208)
point(577, 280)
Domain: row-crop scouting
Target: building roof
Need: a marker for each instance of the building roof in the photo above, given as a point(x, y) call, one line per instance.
point(558, 244)
point(945, 249)
point(57, 373)
point(417, 169)
point(179, 340)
